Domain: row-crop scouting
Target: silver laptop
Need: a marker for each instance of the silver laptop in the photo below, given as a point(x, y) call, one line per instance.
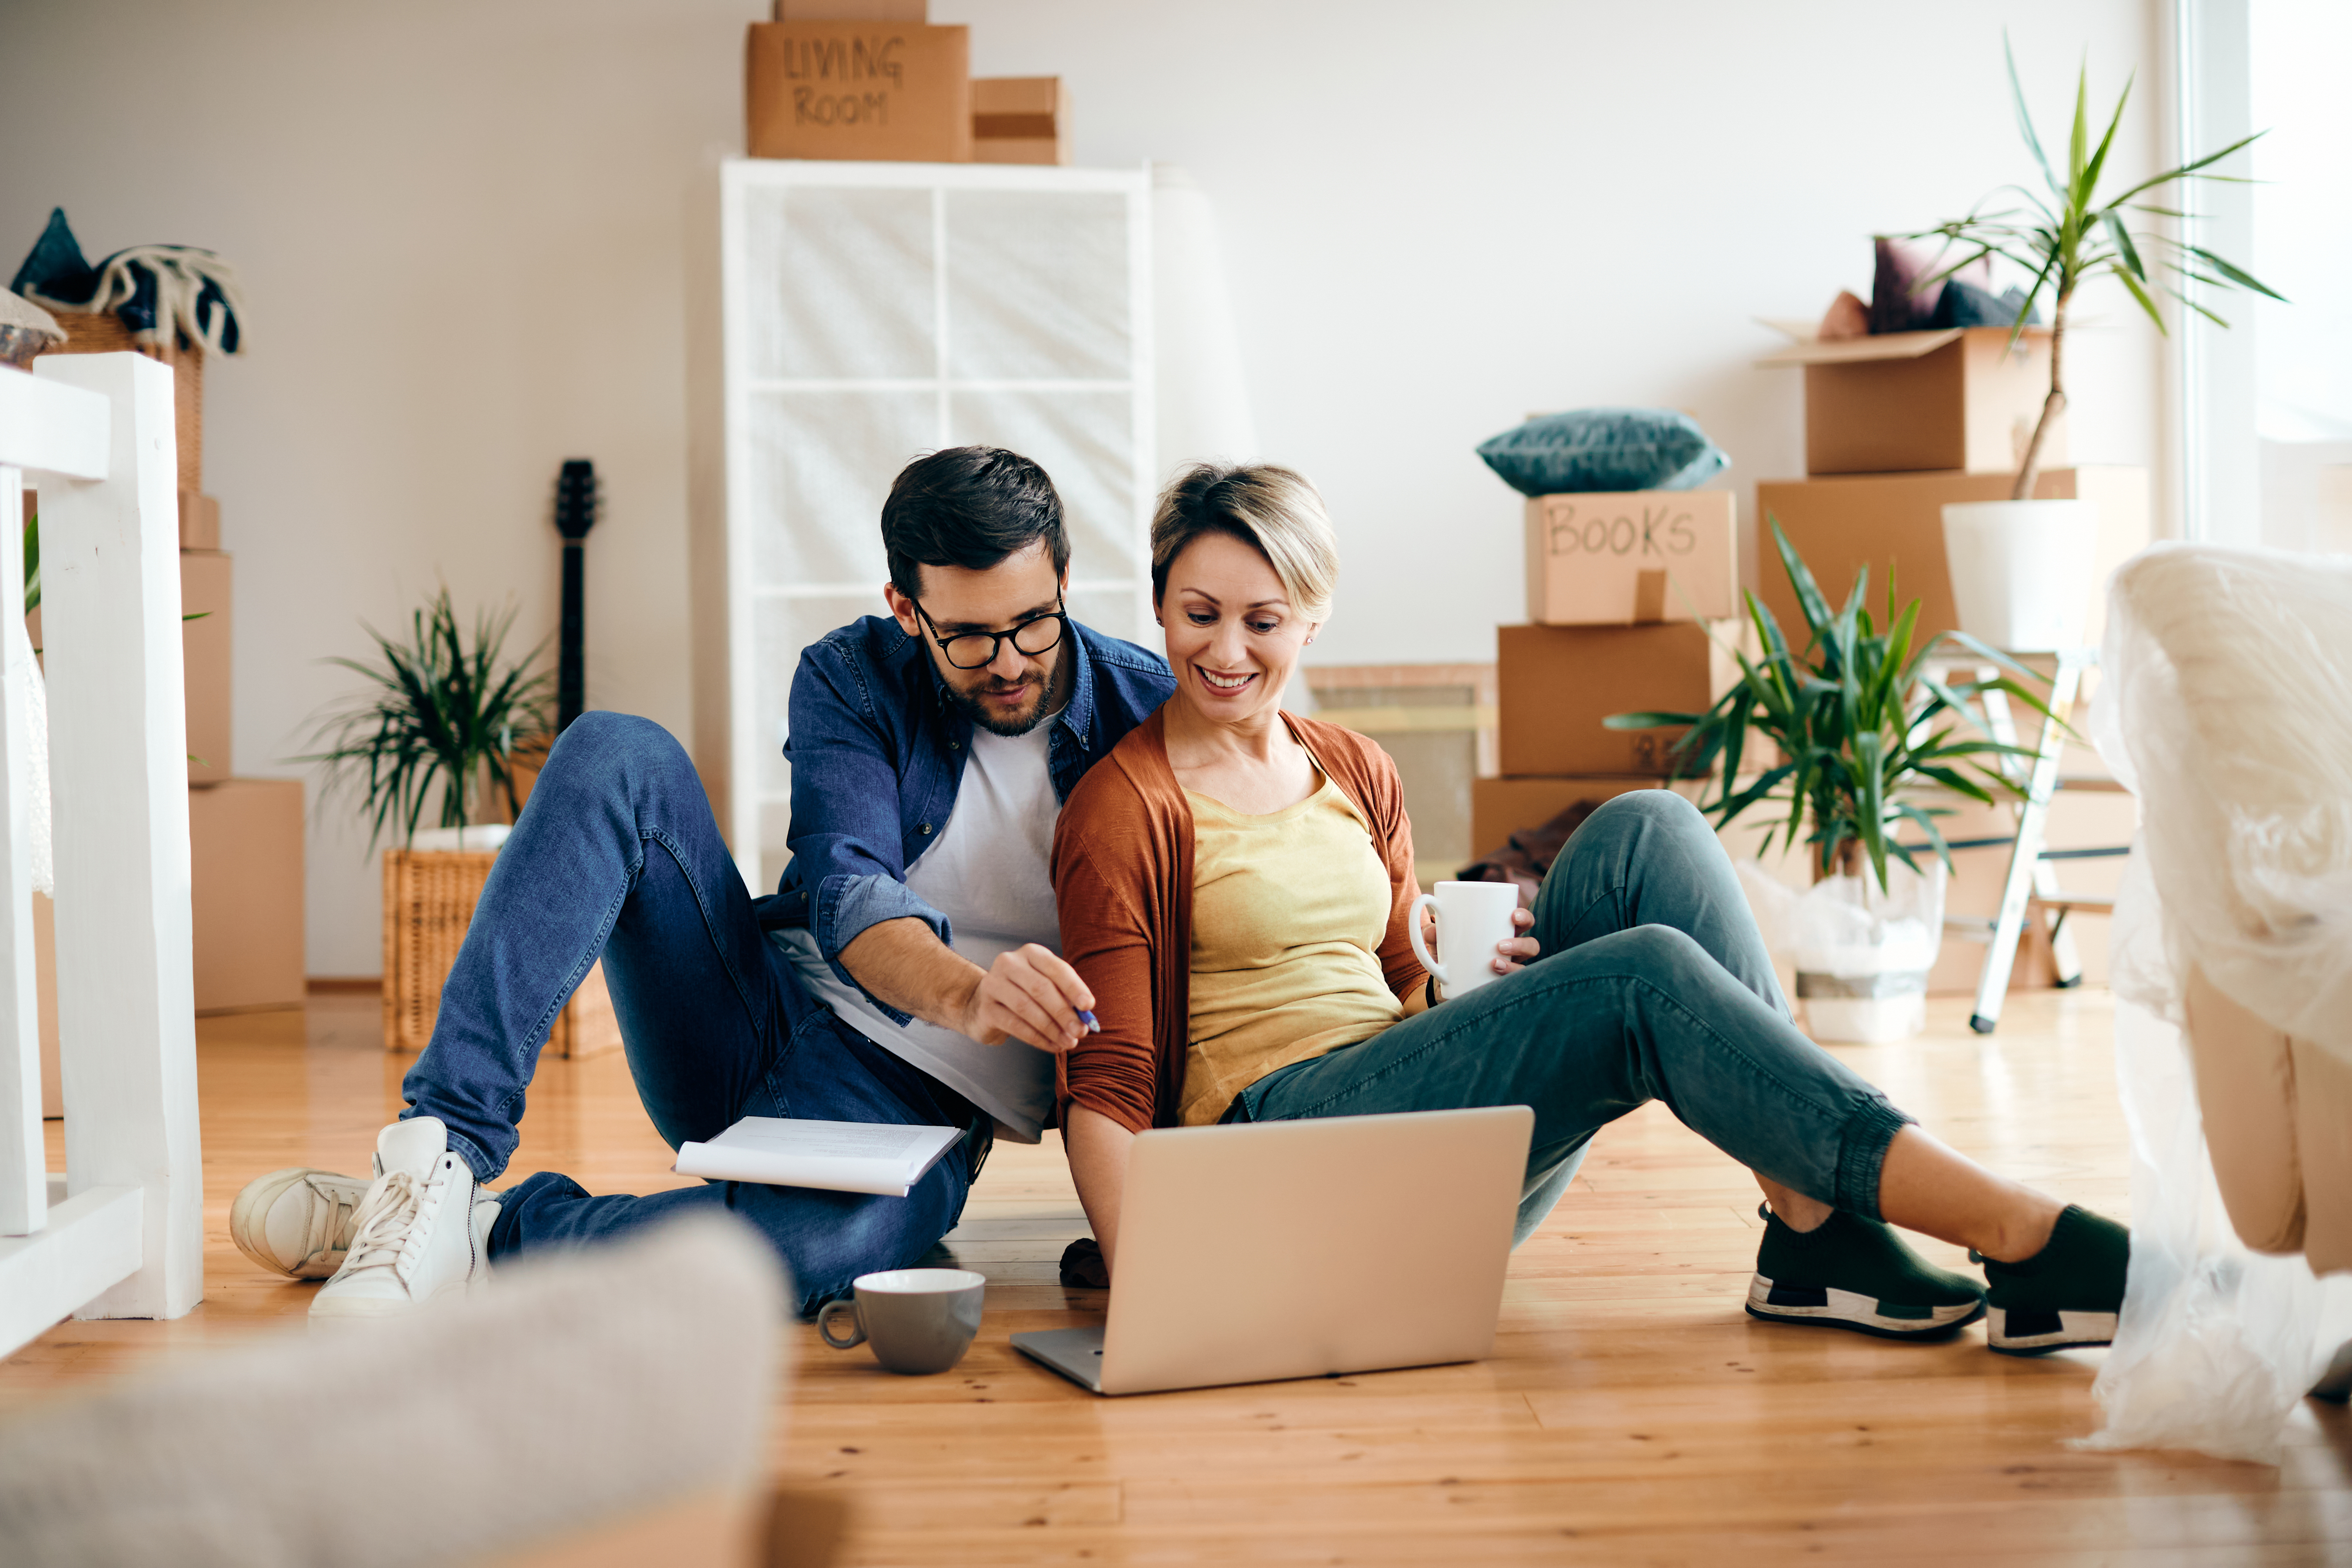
point(1275, 1250)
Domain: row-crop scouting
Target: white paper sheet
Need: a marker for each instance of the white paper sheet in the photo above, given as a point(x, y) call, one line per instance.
point(884, 1159)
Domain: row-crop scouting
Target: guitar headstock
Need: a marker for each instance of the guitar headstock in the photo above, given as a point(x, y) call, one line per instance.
point(576, 498)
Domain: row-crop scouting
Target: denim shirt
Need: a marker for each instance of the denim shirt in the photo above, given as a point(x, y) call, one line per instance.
point(877, 753)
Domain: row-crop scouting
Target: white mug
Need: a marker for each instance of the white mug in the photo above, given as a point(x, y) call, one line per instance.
point(1472, 918)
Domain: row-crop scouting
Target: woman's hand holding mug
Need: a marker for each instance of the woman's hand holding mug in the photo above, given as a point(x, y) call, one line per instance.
point(1478, 914)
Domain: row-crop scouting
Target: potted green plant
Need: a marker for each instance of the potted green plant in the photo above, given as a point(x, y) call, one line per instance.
point(442, 722)
point(1861, 734)
point(2023, 569)
point(439, 724)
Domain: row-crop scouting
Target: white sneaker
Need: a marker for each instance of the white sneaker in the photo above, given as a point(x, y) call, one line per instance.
point(423, 1230)
point(296, 1222)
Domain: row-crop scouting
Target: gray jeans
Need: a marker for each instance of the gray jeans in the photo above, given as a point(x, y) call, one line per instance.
point(1653, 984)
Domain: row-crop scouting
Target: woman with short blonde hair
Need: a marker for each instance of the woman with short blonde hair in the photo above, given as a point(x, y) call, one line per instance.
point(1275, 509)
point(1234, 884)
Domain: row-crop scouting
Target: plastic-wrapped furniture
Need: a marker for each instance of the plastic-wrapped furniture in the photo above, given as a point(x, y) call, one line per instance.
point(2227, 707)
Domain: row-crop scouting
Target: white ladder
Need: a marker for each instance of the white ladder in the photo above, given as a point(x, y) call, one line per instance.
point(2031, 887)
point(121, 1233)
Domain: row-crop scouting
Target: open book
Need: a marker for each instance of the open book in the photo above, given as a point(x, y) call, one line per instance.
point(883, 1158)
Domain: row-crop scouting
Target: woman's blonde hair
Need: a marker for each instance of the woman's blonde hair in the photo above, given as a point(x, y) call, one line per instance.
point(1273, 509)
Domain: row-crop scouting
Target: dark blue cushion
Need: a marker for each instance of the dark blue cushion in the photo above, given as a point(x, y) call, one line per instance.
point(1966, 305)
point(1604, 449)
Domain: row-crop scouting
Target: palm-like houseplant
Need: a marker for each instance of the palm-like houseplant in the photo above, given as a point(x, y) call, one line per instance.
point(440, 722)
point(1861, 725)
point(2073, 235)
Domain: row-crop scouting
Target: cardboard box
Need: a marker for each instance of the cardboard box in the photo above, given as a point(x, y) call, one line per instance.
point(102, 333)
point(1626, 557)
point(886, 90)
point(1020, 120)
point(916, 11)
point(204, 585)
point(199, 520)
point(1961, 398)
point(1500, 807)
point(1894, 522)
point(245, 892)
point(1556, 684)
point(204, 648)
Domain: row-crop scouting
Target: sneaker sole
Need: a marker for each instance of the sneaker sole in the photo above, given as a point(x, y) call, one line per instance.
point(1821, 1307)
point(339, 1309)
point(2016, 1333)
point(247, 1224)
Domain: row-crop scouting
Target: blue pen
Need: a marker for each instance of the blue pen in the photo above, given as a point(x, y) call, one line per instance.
point(1089, 1020)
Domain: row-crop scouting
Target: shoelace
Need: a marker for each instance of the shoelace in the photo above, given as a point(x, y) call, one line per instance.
point(387, 1231)
point(337, 1210)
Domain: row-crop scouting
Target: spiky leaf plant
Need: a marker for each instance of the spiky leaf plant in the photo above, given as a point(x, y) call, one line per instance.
point(1861, 723)
point(443, 715)
point(2076, 234)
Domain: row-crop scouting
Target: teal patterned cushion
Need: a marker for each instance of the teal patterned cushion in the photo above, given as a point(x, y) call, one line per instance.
point(1604, 449)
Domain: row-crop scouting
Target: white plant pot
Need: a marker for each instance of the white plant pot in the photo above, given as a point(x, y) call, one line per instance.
point(2023, 572)
point(480, 836)
point(1863, 956)
point(1866, 1020)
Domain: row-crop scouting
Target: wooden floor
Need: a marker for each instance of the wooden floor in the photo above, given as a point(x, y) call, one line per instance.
point(1631, 1412)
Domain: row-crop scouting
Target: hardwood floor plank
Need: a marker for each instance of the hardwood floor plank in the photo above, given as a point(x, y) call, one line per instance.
point(1631, 1411)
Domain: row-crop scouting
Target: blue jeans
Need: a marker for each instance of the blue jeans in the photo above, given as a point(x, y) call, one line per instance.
point(1653, 984)
point(617, 855)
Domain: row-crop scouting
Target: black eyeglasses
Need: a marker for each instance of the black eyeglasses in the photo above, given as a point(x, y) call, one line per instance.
point(977, 650)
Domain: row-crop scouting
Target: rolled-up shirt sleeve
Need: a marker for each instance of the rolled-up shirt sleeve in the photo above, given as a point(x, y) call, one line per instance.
point(844, 826)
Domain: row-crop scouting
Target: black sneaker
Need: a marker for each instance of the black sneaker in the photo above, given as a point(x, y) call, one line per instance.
point(1854, 1273)
point(2066, 1295)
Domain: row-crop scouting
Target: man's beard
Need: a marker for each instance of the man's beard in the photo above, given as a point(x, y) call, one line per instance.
point(996, 722)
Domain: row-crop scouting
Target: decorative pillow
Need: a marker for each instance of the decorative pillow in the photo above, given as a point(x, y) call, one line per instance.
point(1897, 302)
point(1604, 449)
point(1966, 305)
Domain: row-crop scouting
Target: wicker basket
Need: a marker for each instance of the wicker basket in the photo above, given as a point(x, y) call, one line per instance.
point(429, 901)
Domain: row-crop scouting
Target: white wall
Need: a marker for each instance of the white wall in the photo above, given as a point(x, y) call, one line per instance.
point(461, 230)
point(1441, 218)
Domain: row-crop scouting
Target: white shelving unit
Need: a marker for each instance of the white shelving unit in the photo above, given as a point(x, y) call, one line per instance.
point(870, 313)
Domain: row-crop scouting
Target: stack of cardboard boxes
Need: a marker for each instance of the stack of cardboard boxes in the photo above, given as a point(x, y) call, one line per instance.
point(1895, 426)
point(246, 833)
point(1630, 605)
point(873, 79)
point(1627, 595)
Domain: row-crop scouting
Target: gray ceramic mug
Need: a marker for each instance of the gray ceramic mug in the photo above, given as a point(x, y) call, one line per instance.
point(917, 1320)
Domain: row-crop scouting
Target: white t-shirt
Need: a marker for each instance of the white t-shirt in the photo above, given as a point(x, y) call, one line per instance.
point(988, 871)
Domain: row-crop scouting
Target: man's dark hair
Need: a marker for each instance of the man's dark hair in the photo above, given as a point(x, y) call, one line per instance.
point(969, 507)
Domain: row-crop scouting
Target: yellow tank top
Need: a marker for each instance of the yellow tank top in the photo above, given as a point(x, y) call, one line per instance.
point(1288, 911)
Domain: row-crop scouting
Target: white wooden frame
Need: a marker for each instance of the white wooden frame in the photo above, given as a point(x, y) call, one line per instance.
point(745, 745)
point(121, 1233)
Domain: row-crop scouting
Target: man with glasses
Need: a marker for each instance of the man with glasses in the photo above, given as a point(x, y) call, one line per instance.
point(904, 971)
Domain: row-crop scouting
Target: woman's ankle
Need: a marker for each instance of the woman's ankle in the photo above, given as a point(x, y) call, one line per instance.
point(2023, 1233)
point(1794, 1209)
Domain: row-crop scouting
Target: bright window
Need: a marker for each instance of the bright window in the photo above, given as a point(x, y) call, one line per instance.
point(2303, 247)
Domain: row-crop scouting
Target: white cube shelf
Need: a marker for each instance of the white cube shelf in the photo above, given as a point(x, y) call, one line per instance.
point(871, 313)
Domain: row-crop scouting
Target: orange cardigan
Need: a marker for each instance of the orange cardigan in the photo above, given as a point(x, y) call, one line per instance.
point(1123, 886)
